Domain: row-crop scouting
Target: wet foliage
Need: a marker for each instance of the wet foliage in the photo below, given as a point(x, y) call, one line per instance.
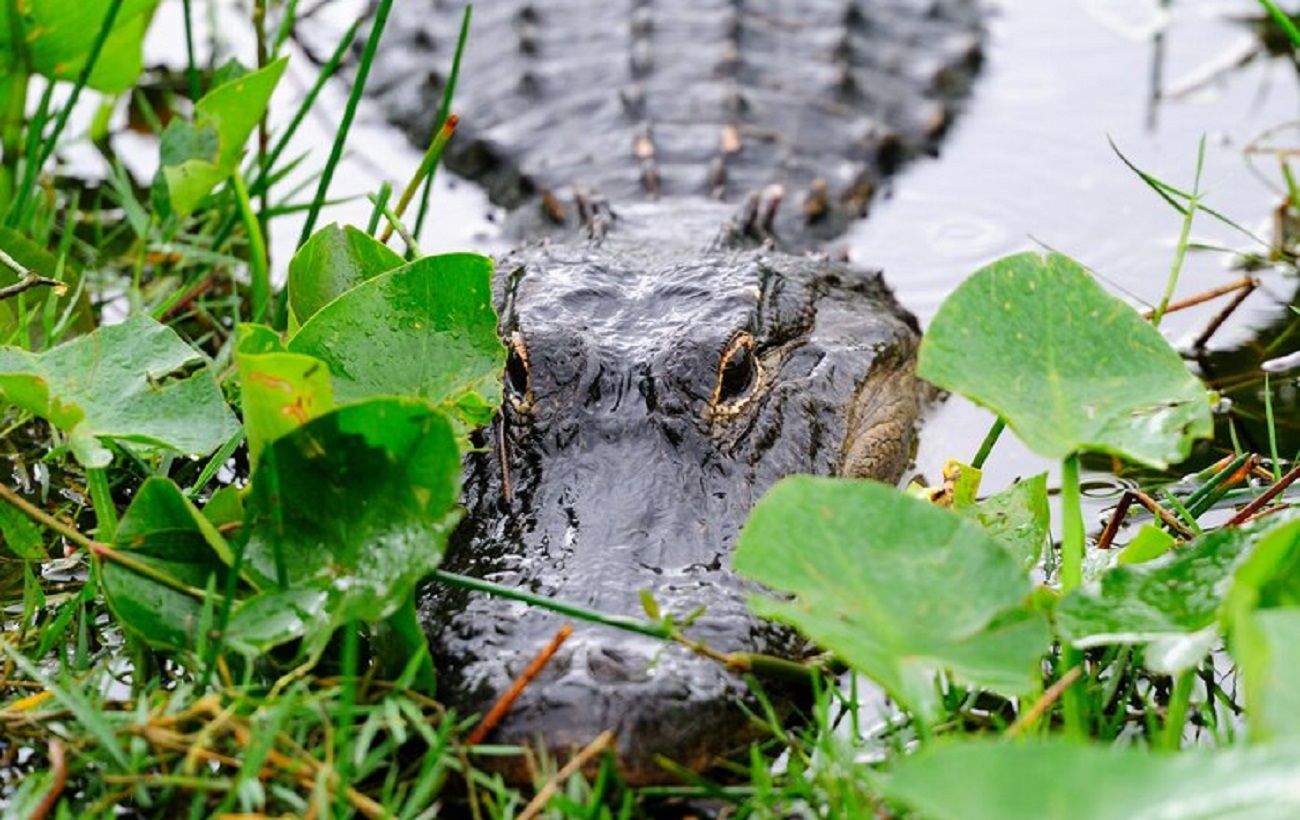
point(222, 498)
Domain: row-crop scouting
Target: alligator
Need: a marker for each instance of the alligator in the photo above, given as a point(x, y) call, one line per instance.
point(674, 353)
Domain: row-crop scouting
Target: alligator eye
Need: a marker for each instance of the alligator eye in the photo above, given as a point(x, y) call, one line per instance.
point(737, 372)
point(519, 377)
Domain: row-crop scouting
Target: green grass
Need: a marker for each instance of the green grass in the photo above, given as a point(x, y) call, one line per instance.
point(93, 718)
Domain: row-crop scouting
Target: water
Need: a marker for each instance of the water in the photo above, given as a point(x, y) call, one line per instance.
point(1027, 166)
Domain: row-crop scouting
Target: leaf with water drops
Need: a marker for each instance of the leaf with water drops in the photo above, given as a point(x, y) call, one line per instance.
point(1070, 367)
point(136, 382)
point(897, 587)
point(358, 502)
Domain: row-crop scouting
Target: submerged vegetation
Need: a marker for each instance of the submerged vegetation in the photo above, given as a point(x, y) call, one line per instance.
point(221, 498)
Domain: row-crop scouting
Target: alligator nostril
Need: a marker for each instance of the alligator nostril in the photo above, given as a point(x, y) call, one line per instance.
point(609, 665)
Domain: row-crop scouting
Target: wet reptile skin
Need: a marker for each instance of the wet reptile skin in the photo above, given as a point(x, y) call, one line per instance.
point(670, 360)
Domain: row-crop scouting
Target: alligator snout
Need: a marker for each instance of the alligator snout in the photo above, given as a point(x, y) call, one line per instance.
point(661, 702)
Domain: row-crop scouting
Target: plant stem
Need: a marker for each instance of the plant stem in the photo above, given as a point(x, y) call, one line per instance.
point(191, 69)
point(654, 630)
point(102, 500)
point(1184, 238)
point(349, 113)
point(47, 148)
point(1071, 525)
point(12, 119)
point(444, 110)
point(986, 446)
point(257, 261)
point(1179, 700)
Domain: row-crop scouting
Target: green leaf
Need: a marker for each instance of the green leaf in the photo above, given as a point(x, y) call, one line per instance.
point(1070, 367)
point(332, 262)
point(1150, 543)
point(1057, 780)
point(59, 34)
point(1266, 646)
point(198, 156)
point(20, 535)
point(1177, 596)
point(898, 588)
point(133, 382)
point(163, 531)
point(427, 330)
point(359, 501)
point(1018, 518)
point(274, 617)
point(279, 391)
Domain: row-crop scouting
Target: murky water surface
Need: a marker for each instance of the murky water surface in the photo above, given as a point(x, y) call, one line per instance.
point(1028, 165)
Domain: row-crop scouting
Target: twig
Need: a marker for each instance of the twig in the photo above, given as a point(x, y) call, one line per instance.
point(59, 768)
point(508, 698)
point(1049, 697)
point(1248, 283)
point(1168, 518)
point(545, 793)
point(32, 280)
point(1268, 495)
point(1222, 315)
point(1112, 526)
point(42, 517)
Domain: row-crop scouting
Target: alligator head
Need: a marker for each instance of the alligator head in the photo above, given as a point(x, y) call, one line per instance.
point(652, 396)
point(660, 382)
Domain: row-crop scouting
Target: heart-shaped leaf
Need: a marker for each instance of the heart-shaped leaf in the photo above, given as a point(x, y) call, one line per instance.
point(163, 533)
point(332, 262)
point(426, 329)
point(278, 391)
point(1068, 366)
point(58, 36)
point(135, 382)
point(897, 587)
point(1059, 780)
point(358, 502)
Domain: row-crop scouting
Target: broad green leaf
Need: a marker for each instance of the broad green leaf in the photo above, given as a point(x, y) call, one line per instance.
point(274, 617)
point(1271, 576)
point(427, 329)
point(279, 391)
point(1260, 618)
point(42, 299)
point(59, 34)
point(1266, 646)
point(163, 531)
point(1018, 518)
point(332, 262)
point(134, 382)
point(1058, 780)
point(1150, 543)
point(198, 156)
point(897, 587)
point(359, 500)
point(1175, 597)
point(1070, 367)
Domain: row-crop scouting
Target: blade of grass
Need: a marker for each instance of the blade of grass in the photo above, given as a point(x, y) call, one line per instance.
point(444, 111)
point(18, 206)
point(1283, 20)
point(85, 713)
point(349, 113)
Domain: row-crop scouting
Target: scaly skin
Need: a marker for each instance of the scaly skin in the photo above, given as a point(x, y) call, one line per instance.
point(666, 370)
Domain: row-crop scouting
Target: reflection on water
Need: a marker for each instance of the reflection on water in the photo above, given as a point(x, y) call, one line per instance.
point(1029, 166)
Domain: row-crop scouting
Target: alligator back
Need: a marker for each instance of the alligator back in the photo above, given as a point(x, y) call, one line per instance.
point(671, 98)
